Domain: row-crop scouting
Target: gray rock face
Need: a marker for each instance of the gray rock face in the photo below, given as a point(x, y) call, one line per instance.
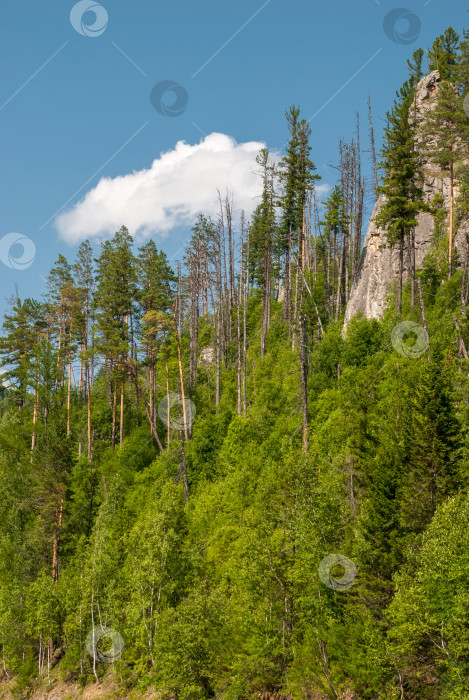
point(207, 356)
point(379, 266)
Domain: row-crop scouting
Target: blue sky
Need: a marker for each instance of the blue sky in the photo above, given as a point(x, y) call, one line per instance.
point(76, 108)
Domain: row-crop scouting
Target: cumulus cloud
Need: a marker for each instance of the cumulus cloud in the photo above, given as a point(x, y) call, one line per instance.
point(179, 185)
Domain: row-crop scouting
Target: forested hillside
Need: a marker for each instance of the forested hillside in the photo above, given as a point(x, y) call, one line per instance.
point(207, 487)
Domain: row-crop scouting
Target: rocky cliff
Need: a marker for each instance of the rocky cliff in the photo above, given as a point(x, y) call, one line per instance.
point(379, 265)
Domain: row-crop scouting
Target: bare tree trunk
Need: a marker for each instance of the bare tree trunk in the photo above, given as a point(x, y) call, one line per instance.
point(329, 287)
point(320, 326)
point(287, 296)
point(315, 253)
point(245, 304)
point(168, 406)
point(401, 265)
point(194, 283)
point(351, 220)
point(238, 316)
point(69, 379)
point(266, 299)
point(88, 411)
point(358, 218)
point(303, 376)
point(184, 469)
point(183, 461)
point(217, 357)
point(114, 414)
point(422, 311)
point(229, 219)
point(339, 299)
point(451, 220)
point(121, 420)
point(56, 541)
point(297, 276)
point(179, 313)
point(35, 409)
point(412, 267)
point(462, 345)
point(145, 404)
point(218, 318)
point(373, 150)
point(464, 278)
point(181, 376)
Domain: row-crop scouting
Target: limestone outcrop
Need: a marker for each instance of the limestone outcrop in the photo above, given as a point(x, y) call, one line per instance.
point(379, 265)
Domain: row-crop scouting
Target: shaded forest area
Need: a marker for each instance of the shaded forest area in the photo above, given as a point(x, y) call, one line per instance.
point(182, 450)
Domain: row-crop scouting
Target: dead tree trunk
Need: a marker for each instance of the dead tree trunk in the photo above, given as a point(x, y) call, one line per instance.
point(422, 311)
point(145, 404)
point(401, 270)
point(238, 319)
point(245, 304)
point(373, 150)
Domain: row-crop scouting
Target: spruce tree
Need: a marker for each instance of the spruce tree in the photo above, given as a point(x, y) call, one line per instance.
point(296, 177)
point(401, 165)
point(261, 239)
point(431, 446)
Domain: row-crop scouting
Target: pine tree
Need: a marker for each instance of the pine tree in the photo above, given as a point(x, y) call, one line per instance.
point(462, 68)
point(114, 302)
point(65, 303)
point(155, 277)
point(443, 55)
point(414, 66)
point(20, 347)
point(83, 270)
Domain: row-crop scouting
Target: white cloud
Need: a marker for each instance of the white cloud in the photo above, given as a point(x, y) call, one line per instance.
point(178, 186)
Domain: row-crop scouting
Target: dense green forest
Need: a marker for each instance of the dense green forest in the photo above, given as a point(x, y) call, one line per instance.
point(208, 488)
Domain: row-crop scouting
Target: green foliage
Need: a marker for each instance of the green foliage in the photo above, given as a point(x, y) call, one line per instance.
point(446, 128)
point(216, 589)
point(415, 67)
point(401, 164)
point(429, 636)
point(443, 54)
